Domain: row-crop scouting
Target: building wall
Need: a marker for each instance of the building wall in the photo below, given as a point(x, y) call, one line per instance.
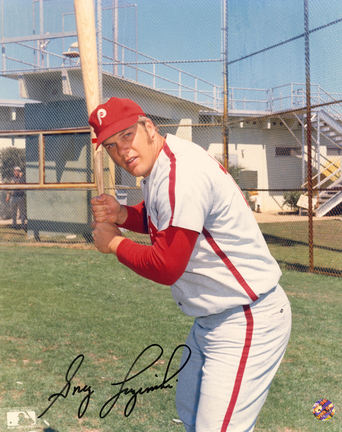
point(253, 148)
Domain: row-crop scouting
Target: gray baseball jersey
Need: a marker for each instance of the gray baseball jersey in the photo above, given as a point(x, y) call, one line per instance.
point(231, 264)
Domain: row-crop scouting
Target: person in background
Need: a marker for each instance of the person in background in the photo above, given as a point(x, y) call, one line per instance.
point(16, 198)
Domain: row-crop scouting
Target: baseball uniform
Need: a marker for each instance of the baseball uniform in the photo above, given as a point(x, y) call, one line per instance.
point(230, 285)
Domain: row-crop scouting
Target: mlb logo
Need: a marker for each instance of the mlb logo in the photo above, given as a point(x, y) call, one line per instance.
point(21, 419)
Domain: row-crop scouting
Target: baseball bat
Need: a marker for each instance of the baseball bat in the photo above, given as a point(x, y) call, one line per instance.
point(86, 34)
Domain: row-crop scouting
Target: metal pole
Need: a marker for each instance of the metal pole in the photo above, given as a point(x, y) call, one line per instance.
point(122, 61)
point(99, 47)
point(3, 47)
point(41, 152)
point(318, 151)
point(136, 42)
point(41, 31)
point(154, 75)
point(308, 132)
point(115, 35)
point(2, 20)
point(303, 149)
point(225, 130)
point(35, 51)
point(179, 84)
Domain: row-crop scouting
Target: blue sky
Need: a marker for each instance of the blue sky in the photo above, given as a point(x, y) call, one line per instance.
point(191, 29)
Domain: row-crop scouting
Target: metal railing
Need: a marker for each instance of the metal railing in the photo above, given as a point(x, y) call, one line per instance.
point(284, 97)
point(29, 53)
point(199, 90)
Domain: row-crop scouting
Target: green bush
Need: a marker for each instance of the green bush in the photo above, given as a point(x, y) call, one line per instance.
point(9, 158)
point(291, 198)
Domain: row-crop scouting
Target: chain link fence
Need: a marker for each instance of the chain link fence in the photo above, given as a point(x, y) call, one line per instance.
point(254, 83)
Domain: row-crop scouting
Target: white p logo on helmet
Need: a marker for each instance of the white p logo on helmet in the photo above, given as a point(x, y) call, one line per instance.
point(101, 113)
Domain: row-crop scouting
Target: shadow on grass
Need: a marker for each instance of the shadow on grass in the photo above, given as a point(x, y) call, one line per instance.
point(306, 269)
point(272, 239)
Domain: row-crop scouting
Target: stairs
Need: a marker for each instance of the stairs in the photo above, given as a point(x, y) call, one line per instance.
point(329, 176)
point(330, 198)
point(328, 127)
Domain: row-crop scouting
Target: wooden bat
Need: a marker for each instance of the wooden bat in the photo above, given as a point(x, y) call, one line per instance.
point(86, 34)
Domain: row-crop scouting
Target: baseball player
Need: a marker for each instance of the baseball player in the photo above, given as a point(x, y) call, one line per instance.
point(208, 247)
point(17, 199)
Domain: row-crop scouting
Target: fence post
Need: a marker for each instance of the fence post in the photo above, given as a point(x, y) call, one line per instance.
point(308, 132)
point(225, 127)
point(318, 151)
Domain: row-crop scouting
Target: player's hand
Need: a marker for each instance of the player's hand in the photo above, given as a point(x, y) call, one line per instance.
point(107, 237)
point(107, 209)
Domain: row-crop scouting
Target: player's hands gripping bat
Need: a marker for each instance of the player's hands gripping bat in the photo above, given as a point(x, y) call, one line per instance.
point(107, 209)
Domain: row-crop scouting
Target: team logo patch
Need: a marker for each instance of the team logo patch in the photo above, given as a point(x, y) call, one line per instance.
point(101, 113)
point(323, 409)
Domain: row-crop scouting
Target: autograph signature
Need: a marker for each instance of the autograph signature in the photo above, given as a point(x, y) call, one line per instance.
point(71, 390)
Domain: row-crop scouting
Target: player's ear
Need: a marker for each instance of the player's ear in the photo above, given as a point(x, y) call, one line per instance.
point(151, 129)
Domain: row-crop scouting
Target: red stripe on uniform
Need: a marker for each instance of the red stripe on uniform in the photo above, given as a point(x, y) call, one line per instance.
point(172, 179)
point(241, 368)
point(230, 265)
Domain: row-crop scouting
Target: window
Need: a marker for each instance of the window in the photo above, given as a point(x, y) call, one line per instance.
point(287, 151)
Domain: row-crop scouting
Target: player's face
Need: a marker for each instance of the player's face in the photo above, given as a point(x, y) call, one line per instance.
point(134, 149)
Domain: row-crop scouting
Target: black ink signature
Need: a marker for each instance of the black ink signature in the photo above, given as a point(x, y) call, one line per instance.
point(64, 393)
point(75, 365)
point(109, 404)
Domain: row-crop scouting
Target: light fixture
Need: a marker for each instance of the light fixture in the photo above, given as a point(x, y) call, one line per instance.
point(13, 114)
point(73, 51)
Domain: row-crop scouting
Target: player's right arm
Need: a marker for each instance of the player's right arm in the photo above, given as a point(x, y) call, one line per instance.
point(107, 209)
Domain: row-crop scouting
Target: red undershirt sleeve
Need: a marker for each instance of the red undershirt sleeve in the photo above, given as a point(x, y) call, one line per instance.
point(165, 261)
point(136, 218)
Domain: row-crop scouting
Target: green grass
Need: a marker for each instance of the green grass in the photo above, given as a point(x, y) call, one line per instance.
point(311, 369)
point(59, 303)
point(327, 233)
point(288, 243)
